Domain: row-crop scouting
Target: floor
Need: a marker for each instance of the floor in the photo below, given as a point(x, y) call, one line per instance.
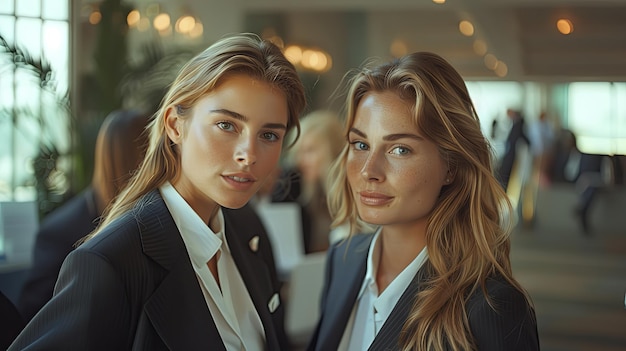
point(577, 281)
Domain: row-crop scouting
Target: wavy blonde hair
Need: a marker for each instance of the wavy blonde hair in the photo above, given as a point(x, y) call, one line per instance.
point(237, 54)
point(468, 229)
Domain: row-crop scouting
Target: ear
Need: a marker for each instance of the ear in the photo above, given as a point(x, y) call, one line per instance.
point(173, 125)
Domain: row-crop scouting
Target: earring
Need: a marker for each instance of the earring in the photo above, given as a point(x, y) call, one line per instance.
point(447, 180)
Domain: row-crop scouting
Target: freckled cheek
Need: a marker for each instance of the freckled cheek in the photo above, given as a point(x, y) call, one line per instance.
point(407, 177)
point(353, 168)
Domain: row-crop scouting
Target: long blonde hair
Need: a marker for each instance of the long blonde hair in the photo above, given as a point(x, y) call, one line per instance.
point(242, 53)
point(468, 229)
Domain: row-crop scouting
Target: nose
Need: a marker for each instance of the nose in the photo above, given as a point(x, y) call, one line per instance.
point(245, 153)
point(372, 169)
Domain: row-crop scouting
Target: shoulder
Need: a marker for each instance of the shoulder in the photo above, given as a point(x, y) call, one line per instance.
point(353, 243)
point(127, 233)
point(505, 297)
point(350, 250)
point(509, 321)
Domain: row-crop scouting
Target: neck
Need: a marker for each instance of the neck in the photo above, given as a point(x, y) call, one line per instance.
point(213, 222)
point(398, 248)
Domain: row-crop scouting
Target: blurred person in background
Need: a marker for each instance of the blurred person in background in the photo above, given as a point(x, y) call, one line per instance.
point(566, 158)
point(517, 134)
point(436, 275)
point(321, 140)
point(120, 146)
point(179, 261)
point(543, 138)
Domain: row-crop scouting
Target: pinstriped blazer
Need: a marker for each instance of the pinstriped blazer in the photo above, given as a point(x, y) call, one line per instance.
point(133, 287)
point(512, 327)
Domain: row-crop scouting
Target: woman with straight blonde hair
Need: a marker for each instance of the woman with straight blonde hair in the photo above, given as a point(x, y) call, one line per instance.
point(179, 261)
point(436, 274)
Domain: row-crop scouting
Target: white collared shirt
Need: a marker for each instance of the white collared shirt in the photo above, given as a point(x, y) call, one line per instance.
point(233, 311)
point(371, 310)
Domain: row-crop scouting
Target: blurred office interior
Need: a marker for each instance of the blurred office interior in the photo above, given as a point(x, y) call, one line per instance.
point(66, 64)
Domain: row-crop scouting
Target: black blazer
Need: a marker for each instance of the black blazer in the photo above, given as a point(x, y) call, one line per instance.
point(133, 287)
point(512, 327)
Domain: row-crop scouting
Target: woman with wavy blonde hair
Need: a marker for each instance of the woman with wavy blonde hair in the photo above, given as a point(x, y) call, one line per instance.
point(436, 274)
point(179, 261)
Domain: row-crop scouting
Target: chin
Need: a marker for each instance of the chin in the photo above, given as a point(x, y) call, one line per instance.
point(234, 204)
point(373, 220)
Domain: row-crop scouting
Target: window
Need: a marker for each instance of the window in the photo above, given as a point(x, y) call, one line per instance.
point(597, 116)
point(34, 116)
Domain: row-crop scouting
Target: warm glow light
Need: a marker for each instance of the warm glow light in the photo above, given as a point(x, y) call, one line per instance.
point(398, 48)
point(133, 18)
point(501, 69)
point(480, 47)
point(95, 17)
point(491, 61)
point(329, 63)
point(439, 1)
point(466, 28)
point(161, 22)
point(197, 30)
point(293, 53)
point(565, 26)
point(309, 58)
point(185, 24)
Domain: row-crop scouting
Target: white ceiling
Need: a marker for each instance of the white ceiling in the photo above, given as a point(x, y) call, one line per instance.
point(520, 33)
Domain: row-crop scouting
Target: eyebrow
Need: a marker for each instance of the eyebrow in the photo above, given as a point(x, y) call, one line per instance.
point(243, 118)
point(390, 137)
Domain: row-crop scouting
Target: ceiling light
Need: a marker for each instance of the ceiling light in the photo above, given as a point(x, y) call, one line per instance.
point(565, 26)
point(466, 28)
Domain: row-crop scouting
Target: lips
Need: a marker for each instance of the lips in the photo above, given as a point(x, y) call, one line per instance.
point(240, 179)
point(371, 198)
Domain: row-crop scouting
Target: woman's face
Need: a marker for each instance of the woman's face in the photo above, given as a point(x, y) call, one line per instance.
point(394, 172)
point(230, 144)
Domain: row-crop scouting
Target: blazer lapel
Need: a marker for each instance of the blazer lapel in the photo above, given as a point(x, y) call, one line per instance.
point(348, 268)
point(388, 336)
point(243, 241)
point(177, 308)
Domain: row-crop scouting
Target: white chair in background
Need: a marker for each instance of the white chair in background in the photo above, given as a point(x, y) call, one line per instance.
point(303, 300)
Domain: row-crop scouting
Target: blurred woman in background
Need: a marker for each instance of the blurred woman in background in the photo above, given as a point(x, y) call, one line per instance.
point(321, 140)
point(120, 146)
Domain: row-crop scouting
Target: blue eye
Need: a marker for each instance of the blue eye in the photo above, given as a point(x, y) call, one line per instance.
point(269, 136)
point(400, 150)
point(359, 145)
point(227, 126)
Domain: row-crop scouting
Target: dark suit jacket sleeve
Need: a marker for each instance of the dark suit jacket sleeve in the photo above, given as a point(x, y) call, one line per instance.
point(89, 306)
point(512, 326)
